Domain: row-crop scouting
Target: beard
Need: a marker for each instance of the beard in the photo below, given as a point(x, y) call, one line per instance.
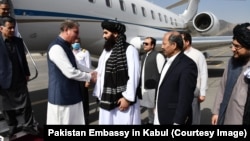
point(109, 43)
point(241, 60)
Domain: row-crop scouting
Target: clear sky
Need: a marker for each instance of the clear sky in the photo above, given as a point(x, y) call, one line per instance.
point(234, 11)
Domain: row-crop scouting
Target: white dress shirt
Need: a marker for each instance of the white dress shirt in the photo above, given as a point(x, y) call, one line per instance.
point(163, 73)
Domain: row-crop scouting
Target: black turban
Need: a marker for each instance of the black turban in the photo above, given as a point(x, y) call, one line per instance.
point(241, 33)
point(113, 26)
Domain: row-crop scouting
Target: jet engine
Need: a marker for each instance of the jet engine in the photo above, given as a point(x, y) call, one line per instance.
point(206, 23)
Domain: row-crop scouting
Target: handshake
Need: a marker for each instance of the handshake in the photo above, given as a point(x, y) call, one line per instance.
point(93, 76)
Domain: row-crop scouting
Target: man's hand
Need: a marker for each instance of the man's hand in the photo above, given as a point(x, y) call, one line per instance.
point(87, 84)
point(123, 104)
point(214, 119)
point(201, 98)
point(93, 76)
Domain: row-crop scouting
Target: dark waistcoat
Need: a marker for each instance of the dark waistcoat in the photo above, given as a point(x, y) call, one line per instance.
point(62, 90)
point(151, 73)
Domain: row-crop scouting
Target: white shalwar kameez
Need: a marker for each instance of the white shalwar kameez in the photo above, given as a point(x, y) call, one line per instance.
point(201, 85)
point(116, 117)
point(66, 114)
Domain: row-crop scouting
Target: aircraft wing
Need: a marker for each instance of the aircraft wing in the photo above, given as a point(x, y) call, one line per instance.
point(176, 4)
point(209, 42)
point(204, 42)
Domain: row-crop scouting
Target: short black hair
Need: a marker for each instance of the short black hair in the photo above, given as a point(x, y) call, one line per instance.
point(187, 37)
point(6, 19)
point(4, 2)
point(153, 40)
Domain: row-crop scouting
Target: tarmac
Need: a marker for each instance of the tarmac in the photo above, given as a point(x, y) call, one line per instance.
point(217, 59)
point(38, 87)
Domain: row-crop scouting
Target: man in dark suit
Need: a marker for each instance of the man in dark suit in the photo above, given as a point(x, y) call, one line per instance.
point(14, 74)
point(175, 90)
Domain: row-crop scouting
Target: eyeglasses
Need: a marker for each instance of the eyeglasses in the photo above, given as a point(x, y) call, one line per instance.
point(237, 47)
point(145, 44)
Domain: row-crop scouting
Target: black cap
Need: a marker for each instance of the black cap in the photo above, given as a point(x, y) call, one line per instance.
point(114, 26)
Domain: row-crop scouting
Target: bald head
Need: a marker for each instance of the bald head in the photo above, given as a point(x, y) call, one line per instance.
point(175, 37)
point(172, 43)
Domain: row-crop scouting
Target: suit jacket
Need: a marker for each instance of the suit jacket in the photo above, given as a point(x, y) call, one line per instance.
point(176, 92)
point(6, 64)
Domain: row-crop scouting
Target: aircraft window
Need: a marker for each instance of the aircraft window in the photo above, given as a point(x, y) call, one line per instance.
point(166, 19)
point(92, 1)
point(153, 14)
point(171, 20)
point(160, 16)
point(108, 3)
point(134, 8)
point(143, 11)
point(122, 5)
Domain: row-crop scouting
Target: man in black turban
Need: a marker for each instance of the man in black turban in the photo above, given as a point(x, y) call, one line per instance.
point(232, 103)
point(118, 76)
point(117, 29)
point(241, 33)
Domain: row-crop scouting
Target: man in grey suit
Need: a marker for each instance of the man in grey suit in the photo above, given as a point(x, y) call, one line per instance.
point(175, 90)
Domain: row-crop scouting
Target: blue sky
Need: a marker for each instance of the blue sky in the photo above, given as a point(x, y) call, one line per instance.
point(235, 11)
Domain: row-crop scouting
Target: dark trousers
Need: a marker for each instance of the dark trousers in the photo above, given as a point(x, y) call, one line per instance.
point(85, 95)
point(10, 115)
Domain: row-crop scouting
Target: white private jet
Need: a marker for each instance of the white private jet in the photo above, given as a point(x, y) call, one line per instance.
point(39, 21)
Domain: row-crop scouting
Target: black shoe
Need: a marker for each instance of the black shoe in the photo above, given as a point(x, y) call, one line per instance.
point(31, 131)
point(12, 131)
